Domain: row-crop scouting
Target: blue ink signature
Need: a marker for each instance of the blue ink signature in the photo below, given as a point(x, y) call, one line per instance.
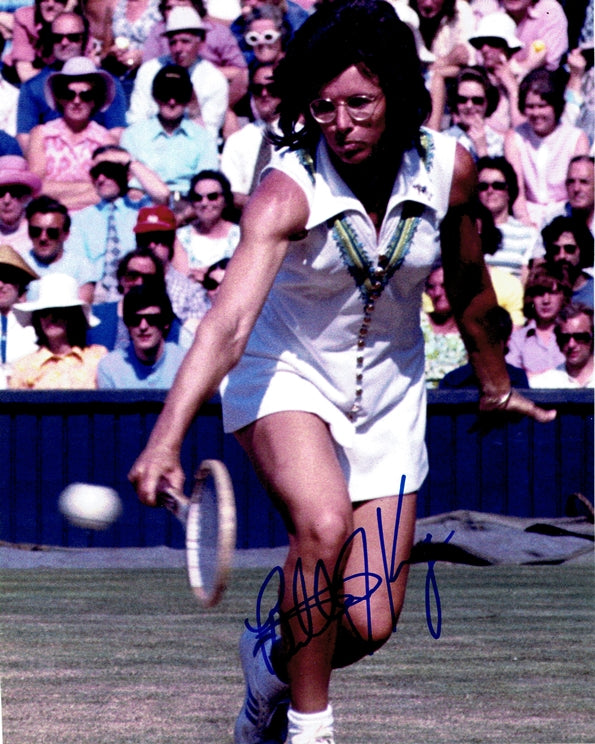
point(331, 599)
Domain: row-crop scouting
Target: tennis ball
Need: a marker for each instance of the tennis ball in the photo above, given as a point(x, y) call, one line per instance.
point(90, 506)
point(538, 45)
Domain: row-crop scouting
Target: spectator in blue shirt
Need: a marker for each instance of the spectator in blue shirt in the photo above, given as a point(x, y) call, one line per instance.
point(149, 361)
point(172, 143)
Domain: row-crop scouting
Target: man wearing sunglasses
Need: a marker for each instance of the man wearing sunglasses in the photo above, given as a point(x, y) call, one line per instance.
point(247, 151)
point(569, 241)
point(149, 361)
point(185, 33)
point(70, 34)
point(49, 226)
point(18, 185)
point(574, 334)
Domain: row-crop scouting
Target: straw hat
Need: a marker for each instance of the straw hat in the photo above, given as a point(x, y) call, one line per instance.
point(80, 68)
point(9, 257)
point(496, 26)
point(55, 290)
point(183, 18)
point(14, 169)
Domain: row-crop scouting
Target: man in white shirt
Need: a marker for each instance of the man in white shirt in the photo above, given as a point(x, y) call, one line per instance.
point(185, 32)
point(247, 151)
point(574, 334)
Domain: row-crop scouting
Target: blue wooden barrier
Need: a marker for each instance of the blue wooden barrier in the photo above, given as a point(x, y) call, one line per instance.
point(51, 439)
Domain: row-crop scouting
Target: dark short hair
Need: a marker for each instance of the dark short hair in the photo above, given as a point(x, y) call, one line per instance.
point(365, 33)
point(172, 81)
point(76, 326)
point(45, 204)
point(582, 235)
point(140, 253)
point(547, 84)
point(223, 181)
point(474, 75)
point(148, 294)
point(499, 323)
point(501, 163)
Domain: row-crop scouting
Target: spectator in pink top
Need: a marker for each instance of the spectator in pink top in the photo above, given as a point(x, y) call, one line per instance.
point(60, 151)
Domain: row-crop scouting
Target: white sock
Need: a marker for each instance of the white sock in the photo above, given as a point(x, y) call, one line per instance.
point(304, 723)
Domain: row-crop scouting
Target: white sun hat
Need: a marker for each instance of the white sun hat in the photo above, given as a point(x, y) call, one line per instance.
point(496, 26)
point(55, 290)
point(183, 18)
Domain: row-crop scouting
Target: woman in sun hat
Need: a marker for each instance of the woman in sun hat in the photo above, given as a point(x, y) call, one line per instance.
point(17, 187)
point(60, 319)
point(60, 151)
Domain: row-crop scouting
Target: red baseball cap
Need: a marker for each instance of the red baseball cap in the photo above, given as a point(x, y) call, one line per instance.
point(155, 219)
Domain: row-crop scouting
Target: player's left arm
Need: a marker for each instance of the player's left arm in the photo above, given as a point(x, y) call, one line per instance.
point(472, 296)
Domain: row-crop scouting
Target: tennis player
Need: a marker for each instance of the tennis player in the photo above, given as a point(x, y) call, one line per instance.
point(317, 328)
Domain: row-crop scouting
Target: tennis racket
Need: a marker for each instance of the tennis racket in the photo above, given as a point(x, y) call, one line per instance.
point(209, 520)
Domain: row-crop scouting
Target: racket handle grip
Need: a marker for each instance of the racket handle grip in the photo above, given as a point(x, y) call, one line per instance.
point(175, 503)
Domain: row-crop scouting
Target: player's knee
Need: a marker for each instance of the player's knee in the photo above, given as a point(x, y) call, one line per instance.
point(326, 534)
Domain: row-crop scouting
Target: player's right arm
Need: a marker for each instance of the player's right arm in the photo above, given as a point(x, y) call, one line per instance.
point(277, 210)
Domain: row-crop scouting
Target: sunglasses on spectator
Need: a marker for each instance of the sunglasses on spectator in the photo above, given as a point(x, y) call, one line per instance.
point(133, 276)
point(569, 248)
point(86, 96)
point(581, 338)
point(74, 38)
point(475, 100)
point(16, 190)
point(359, 107)
point(144, 240)
point(257, 89)
point(156, 320)
point(209, 283)
point(254, 38)
point(496, 185)
point(211, 196)
point(53, 233)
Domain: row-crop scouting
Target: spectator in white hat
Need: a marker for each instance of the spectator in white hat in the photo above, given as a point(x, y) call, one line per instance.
point(61, 319)
point(185, 32)
point(60, 151)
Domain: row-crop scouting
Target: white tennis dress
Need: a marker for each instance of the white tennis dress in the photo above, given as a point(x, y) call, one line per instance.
point(311, 350)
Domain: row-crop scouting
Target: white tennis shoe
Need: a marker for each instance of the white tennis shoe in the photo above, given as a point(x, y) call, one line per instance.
point(263, 718)
point(322, 735)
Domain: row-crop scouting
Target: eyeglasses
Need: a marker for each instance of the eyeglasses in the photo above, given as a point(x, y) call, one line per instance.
point(581, 338)
point(53, 233)
point(155, 320)
point(569, 248)
point(258, 89)
point(359, 107)
point(74, 38)
point(475, 100)
point(86, 96)
point(16, 190)
point(496, 185)
point(144, 240)
point(254, 38)
point(209, 283)
point(211, 196)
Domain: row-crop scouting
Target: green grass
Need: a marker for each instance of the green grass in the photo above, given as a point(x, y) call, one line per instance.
point(127, 657)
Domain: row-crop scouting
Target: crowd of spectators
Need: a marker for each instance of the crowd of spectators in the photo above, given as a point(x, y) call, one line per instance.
point(132, 133)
